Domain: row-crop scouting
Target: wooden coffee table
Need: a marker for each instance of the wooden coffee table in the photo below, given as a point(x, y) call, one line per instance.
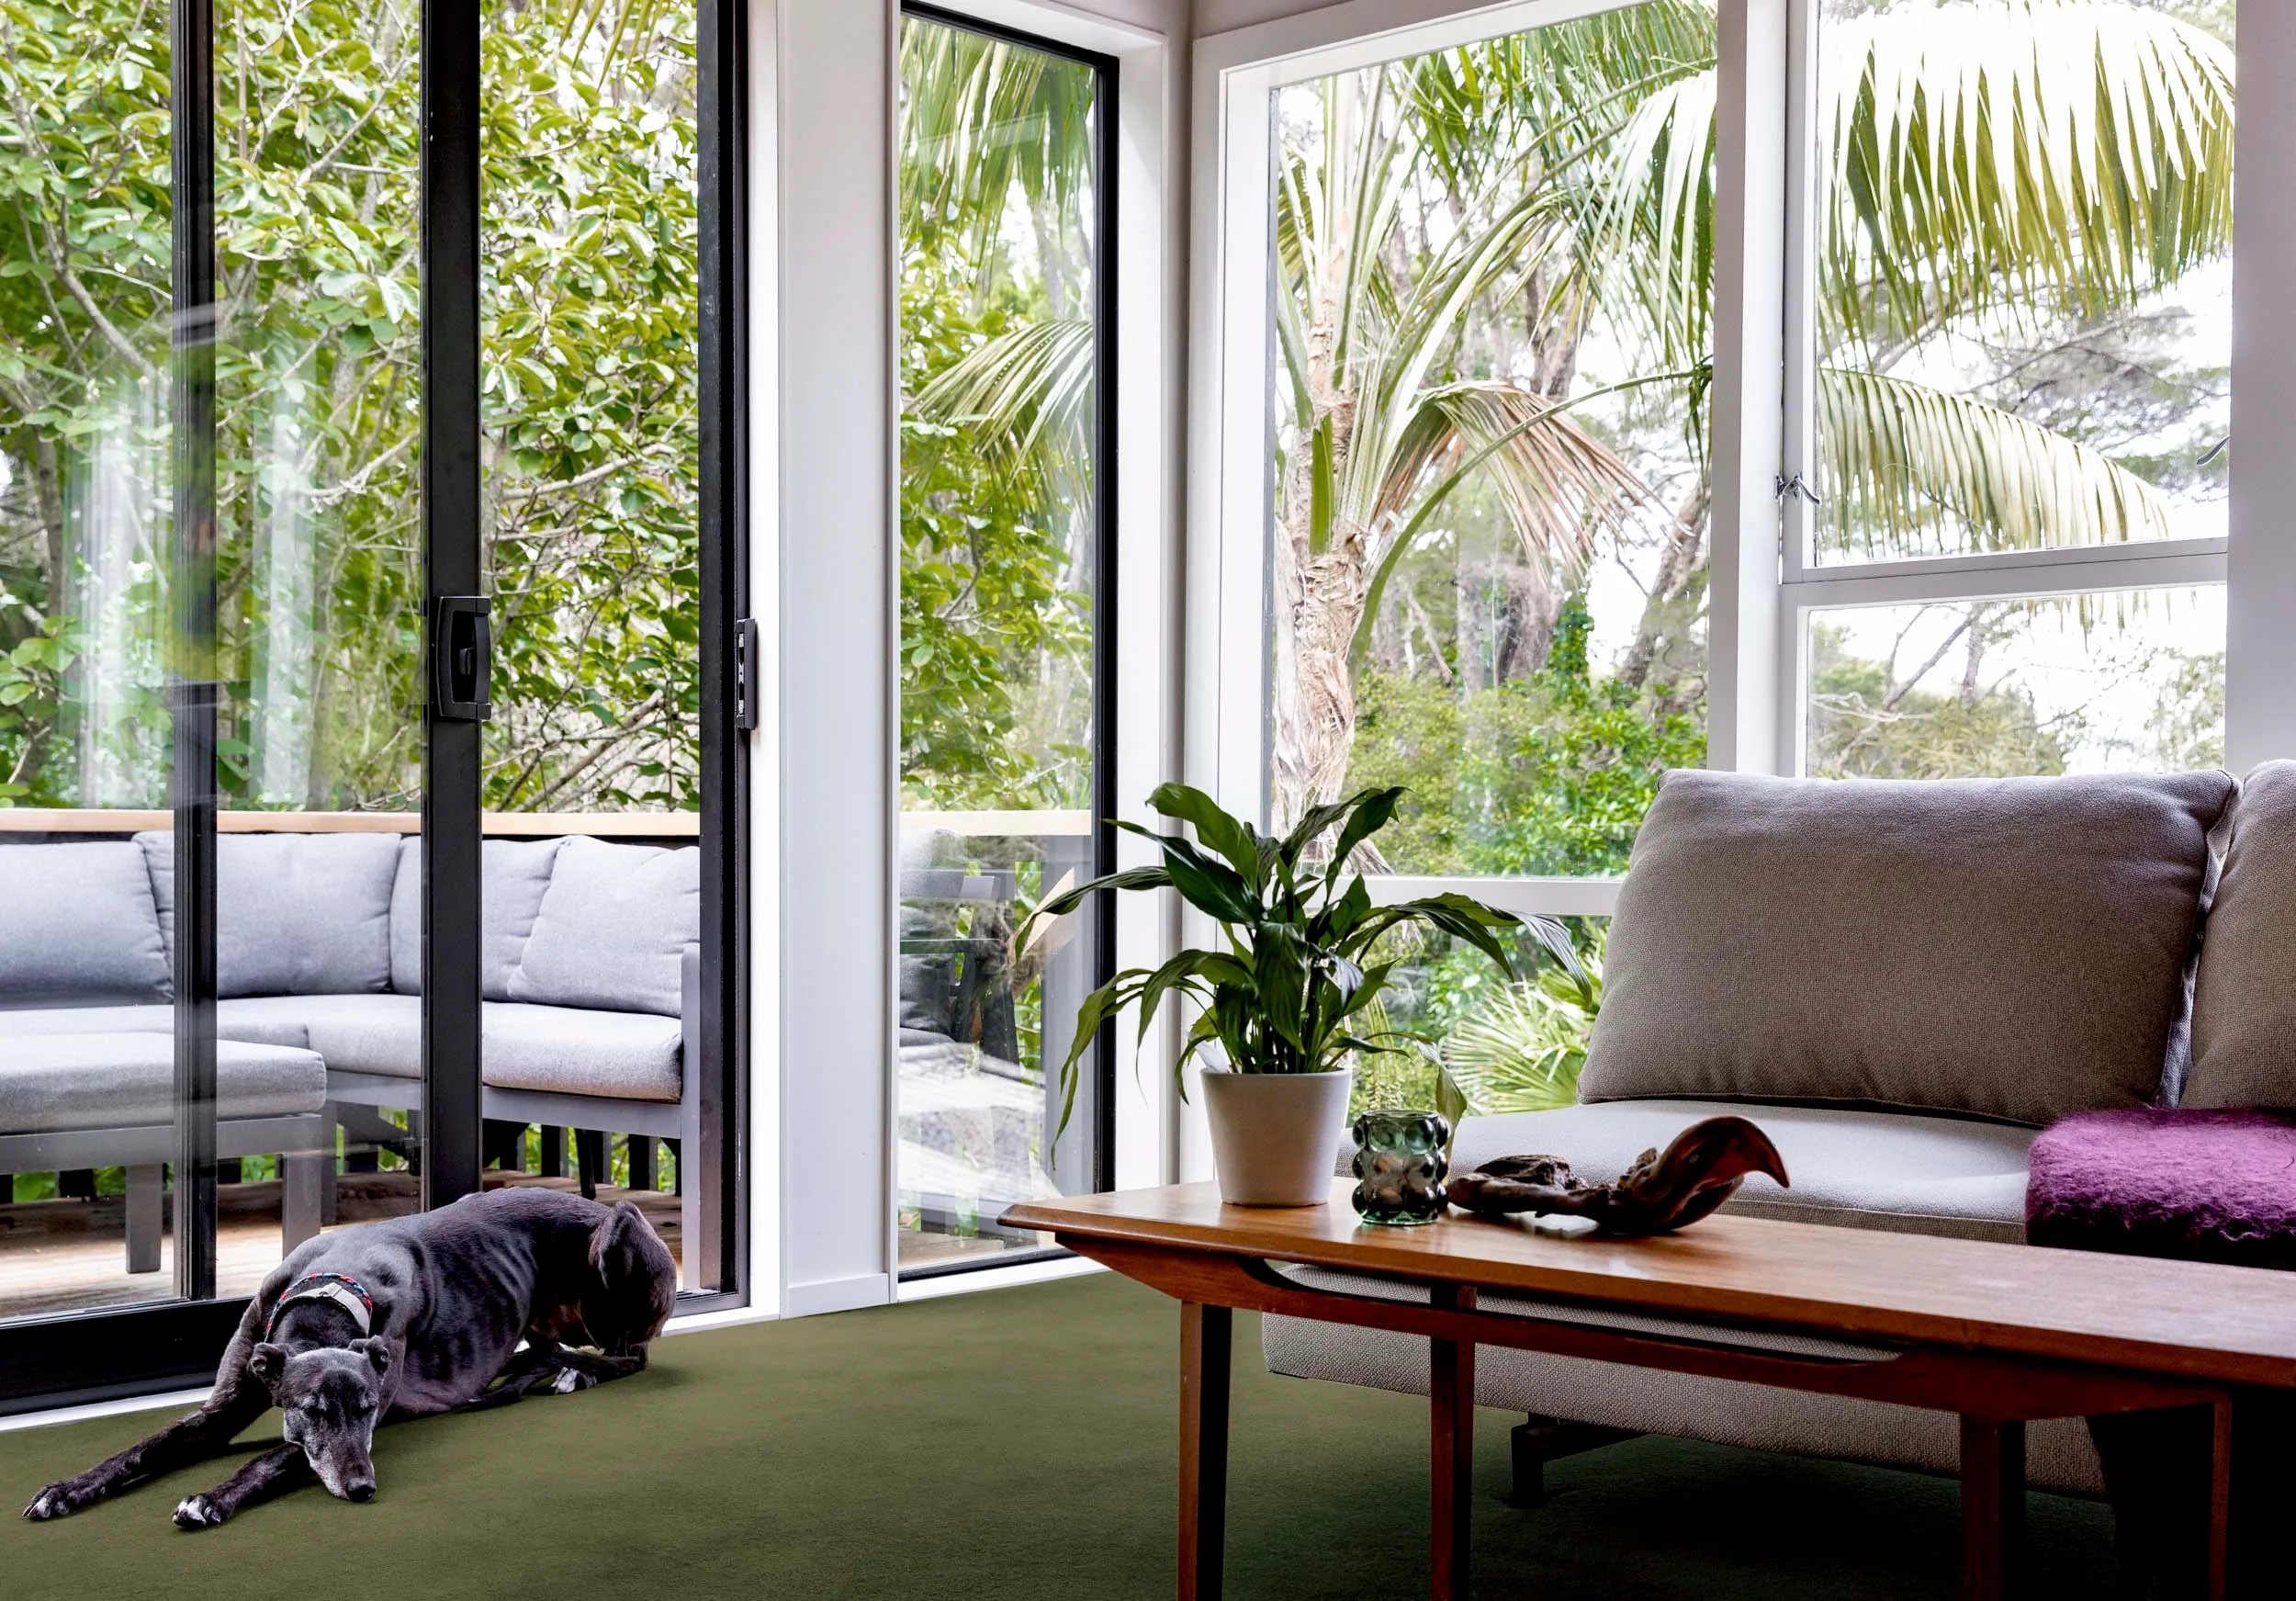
point(2002, 1334)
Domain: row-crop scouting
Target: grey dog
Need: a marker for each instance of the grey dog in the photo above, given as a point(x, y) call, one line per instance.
point(409, 1318)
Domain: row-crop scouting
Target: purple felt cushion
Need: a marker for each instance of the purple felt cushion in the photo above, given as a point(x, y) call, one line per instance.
point(2197, 1185)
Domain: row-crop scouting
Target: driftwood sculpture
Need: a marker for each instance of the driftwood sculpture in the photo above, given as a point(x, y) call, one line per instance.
point(1658, 1194)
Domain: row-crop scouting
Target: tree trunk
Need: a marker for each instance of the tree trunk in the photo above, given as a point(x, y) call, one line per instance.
point(1685, 551)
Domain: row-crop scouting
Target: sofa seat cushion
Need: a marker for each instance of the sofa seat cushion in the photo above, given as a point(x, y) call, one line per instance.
point(625, 1055)
point(53, 1082)
point(87, 1020)
point(2200, 1186)
point(1900, 1171)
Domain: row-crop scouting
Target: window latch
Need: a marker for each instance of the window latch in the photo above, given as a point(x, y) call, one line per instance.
point(1789, 487)
point(462, 653)
point(748, 676)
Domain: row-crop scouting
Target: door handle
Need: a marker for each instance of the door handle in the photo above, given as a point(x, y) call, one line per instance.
point(462, 659)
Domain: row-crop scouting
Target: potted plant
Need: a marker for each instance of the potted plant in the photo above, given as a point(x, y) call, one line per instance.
point(1283, 1001)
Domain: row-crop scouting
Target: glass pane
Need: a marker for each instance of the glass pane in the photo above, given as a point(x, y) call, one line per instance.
point(319, 625)
point(87, 1118)
point(2025, 277)
point(2126, 681)
point(591, 348)
point(999, 554)
point(1489, 537)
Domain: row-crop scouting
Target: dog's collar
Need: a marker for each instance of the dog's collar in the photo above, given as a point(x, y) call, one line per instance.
point(340, 1287)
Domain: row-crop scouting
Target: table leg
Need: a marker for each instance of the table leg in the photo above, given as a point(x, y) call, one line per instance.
point(2197, 1560)
point(1992, 1507)
point(1451, 1435)
point(1204, 1374)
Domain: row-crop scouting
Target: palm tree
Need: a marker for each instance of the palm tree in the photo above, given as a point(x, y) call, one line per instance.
point(2033, 160)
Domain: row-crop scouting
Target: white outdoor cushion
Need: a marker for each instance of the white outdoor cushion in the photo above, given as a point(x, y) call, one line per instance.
point(515, 874)
point(53, 1082)
point(613, 927)
point(78, 923)
point(296, 914)
point(1900, 1171)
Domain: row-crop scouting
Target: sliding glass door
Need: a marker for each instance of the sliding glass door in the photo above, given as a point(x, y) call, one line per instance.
point(369, 588)
point(1006, 539)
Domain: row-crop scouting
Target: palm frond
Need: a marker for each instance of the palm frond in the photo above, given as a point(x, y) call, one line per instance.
point(1520, 1052)
point(2019, 153)
point(1913, 470)
point(1019, 388)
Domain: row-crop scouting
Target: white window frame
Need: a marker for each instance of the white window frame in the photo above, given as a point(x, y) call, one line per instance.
point(1805, 587)
point(1227, 663)
point(1762, 591)
point(833, 545)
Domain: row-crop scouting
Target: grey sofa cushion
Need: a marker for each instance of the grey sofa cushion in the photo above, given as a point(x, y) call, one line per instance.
point(1898, 1171)
point(2012, 948)
point(627, 1055)
point(2244, 1005)
point(613, 927)
point(78, 923)
point(89, 1020)
point(515, 874)
point(296, 914)
point(53, 1082)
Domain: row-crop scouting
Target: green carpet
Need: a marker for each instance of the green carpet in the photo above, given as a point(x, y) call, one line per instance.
point(1016, 1444)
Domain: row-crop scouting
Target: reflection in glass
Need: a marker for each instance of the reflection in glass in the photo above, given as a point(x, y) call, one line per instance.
point(2127, 682)
point(1489, 534)
point(2023, 311)
point(999, 205)
point(88, 1117)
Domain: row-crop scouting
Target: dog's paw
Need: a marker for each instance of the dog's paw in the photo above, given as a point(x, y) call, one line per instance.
point(58, 1500)
point(568, 1381)
point(197, 1512)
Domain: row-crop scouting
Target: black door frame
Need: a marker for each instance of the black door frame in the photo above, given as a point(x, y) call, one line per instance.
point(74, 1358)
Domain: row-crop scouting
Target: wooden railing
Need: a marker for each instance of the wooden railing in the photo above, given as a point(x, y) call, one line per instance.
point(507, 825)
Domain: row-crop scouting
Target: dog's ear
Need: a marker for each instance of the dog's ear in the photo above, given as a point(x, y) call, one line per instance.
point(266, 1362)
point(376, 1351)
point(617, 1246)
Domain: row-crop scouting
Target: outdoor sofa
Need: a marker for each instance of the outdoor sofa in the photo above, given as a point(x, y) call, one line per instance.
point(1902, 984)
point(591, 976)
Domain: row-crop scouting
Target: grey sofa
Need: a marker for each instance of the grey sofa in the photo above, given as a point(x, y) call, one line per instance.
point(1901, 984)
point(590, 973)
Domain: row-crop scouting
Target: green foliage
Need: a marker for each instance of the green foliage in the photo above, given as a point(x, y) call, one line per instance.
point(1862, 726)
point(1295, 986)
point(588, 311)
point(1549, 776)
point(995, 486)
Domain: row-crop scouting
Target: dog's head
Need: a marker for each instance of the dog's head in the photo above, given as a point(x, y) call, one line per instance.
point(636, 1286)
point(332, 1398)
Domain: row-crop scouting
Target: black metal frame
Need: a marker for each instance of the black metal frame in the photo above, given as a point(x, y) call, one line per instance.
point(67, 1360)
point(1105, 799)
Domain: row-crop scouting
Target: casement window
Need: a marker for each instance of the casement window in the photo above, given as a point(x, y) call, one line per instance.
point(1840, 387)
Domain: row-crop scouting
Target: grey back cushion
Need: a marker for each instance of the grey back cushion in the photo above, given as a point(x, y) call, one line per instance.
point(2244, 1004)
point(613, 927)
point(2009, 947)
point(296, 914)
point(514, 873)
point(78, 925)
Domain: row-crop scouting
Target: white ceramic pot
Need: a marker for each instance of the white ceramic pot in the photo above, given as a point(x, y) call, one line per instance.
point(1275, 1137)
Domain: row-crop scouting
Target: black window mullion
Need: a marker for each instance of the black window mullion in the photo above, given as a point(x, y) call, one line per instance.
point(723, 571)
point(192, 670)
point(452, 1150)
